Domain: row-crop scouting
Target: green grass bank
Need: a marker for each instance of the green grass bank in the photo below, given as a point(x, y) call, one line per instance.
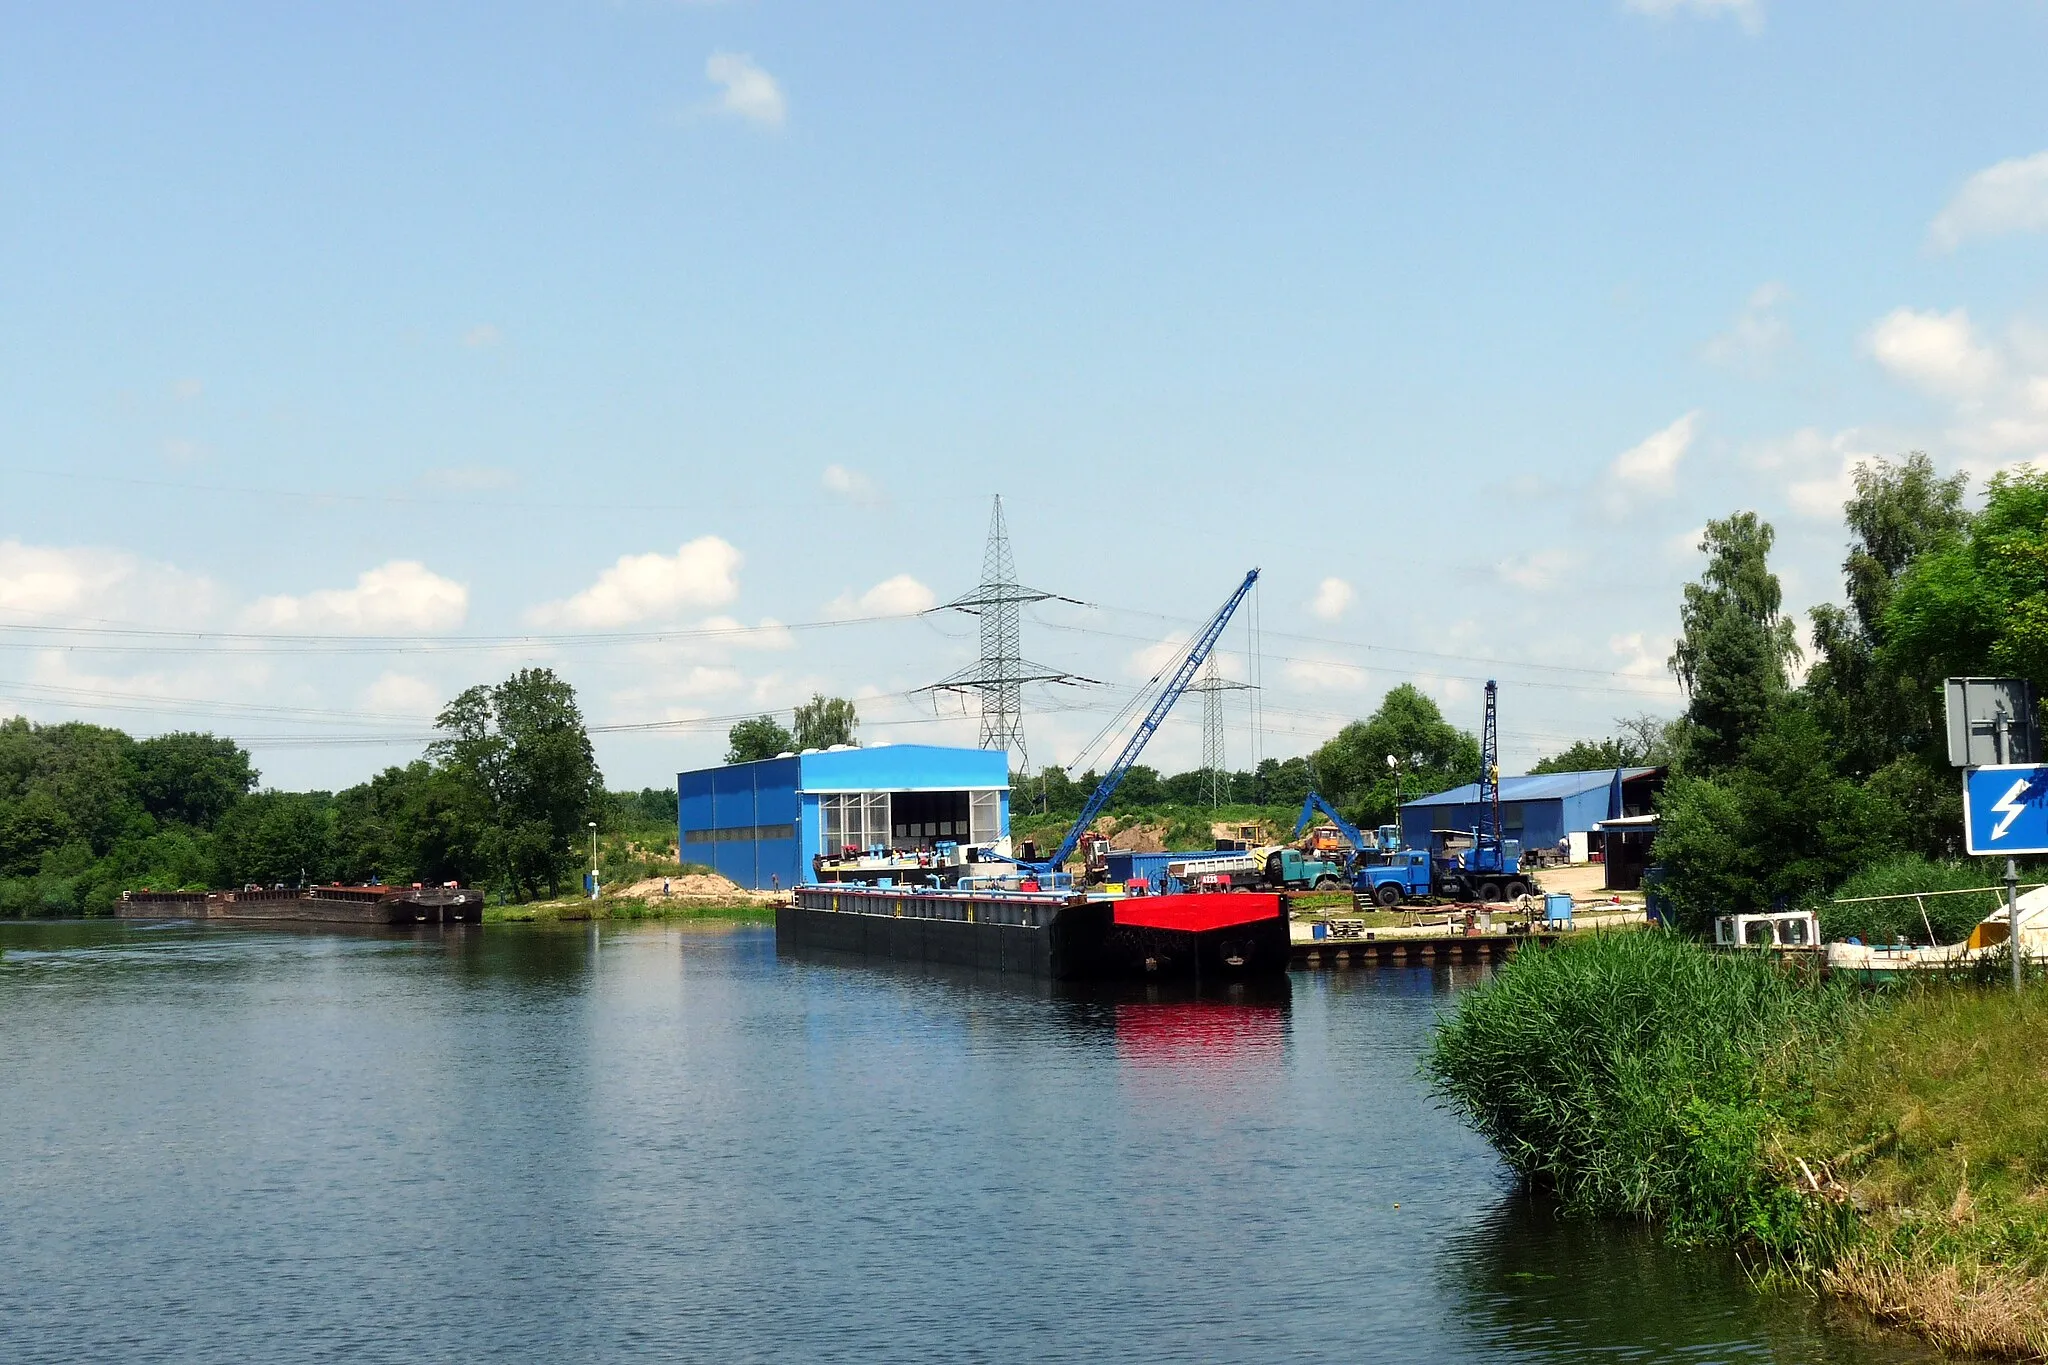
point(1888, 1148)
point(581, 908)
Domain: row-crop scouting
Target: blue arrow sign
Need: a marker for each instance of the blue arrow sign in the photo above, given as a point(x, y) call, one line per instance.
point(2005, 809)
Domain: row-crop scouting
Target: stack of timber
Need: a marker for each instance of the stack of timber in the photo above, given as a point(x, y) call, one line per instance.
point(316, 904)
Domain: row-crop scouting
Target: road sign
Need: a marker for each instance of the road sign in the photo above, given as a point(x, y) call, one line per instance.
point(2005, 809)
point(1990, 721)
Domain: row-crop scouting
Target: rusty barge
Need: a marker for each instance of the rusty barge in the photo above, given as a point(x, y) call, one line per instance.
point(313, 904)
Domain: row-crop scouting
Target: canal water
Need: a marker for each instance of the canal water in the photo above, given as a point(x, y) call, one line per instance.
point(532, 1143)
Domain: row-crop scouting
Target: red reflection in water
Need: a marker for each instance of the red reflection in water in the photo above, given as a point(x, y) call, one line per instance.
point(1203, 1033)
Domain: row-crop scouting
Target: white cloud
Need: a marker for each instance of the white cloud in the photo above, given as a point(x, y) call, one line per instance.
point(402, 595)
point(898, 596)
point(1539, 570)
point(87, 583)
point(1816, 469)
point(1652, 466)
point(703, 573)
point(691, 682)
point(1333, 597)
point(746, 91)
point(1324, 675)
point(1936, 352)
point(1748, 13)
point(401, 694)
point(2009, 197)
point(482, 335)
point(1147, 660)
point(767, 633)
point(852, 485)
point(1644, 657)
point(1822, 498)
point(1684, 546)
point(1756, 337)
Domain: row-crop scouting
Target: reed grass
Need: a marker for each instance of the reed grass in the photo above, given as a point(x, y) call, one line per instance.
point(1638, 1075)
point(1950, 917)
point(1890, 1148)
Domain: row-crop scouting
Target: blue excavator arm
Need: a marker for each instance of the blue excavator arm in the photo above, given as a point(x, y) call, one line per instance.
point(1315, 804)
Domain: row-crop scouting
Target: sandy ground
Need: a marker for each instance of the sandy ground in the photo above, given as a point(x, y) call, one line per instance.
point(698, 886)
point(1581, 882)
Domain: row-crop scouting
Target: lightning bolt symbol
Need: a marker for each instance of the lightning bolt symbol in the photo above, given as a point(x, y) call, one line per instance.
point(2009, 806)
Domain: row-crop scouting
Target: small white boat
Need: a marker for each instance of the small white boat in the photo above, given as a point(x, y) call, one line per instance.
point(1782, 932)
point(1881, 961)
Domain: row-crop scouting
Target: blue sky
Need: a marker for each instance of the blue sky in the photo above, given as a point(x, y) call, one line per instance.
point(426, 325)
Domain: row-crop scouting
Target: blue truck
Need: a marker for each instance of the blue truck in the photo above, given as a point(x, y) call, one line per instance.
point(1469, 874)
point(1479, 866)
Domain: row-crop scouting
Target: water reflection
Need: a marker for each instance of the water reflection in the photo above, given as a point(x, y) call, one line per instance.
point(662, 1141)
point(1537, 1286)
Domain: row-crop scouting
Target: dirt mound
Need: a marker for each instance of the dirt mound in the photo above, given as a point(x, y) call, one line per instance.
point(694, 886)
point(1139, 838)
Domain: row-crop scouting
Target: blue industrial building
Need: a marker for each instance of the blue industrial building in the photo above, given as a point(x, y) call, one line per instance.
point(762, 824)
point(1537, 811)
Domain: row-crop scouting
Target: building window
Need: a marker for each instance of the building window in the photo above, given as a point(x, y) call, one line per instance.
point(738, 834)
point(854, 819)
point(985, 816)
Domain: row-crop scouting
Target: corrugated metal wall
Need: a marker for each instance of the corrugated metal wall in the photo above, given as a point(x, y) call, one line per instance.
point(745, 797)
point(1544, 822)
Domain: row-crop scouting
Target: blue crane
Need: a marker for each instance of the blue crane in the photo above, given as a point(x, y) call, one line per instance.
point(1171, 693)
point(1487, 836)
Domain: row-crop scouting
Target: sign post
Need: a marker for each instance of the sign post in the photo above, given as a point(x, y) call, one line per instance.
point(1992, 738)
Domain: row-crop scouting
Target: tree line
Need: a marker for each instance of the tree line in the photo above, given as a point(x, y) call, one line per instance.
point(502, 798)
point(1785, 787)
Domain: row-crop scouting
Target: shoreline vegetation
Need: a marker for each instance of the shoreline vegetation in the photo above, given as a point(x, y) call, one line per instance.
point(1887, 1148)
point(582, 909)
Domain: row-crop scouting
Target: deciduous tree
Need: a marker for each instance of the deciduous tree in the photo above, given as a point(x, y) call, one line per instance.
point(825, 721)
point(1734, 644)
point(753, 740)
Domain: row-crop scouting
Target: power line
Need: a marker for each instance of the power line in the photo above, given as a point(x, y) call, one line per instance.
point(157, 641)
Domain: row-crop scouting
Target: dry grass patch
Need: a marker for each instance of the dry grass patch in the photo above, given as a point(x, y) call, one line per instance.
point(1979, 1309)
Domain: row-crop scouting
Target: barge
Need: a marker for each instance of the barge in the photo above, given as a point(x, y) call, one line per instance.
point(1056, 935)
point(313, 904)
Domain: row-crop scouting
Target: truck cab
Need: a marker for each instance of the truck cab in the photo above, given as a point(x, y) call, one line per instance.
point(1293, 870)
point(1402, 875)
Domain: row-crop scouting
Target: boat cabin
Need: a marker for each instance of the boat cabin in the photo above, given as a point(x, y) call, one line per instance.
point(1778, 929)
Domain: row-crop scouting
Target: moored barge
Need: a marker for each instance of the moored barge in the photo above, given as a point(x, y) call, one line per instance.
point(1058, 935)
point(315, 904)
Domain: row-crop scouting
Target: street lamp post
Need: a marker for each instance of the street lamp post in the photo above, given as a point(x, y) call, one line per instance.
point(1394, 764)
point(593, 860)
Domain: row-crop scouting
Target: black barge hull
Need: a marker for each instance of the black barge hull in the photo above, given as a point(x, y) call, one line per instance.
point(313, 905)
point(1225, 937)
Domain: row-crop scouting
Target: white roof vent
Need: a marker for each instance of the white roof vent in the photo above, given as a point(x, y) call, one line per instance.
point(787, 753)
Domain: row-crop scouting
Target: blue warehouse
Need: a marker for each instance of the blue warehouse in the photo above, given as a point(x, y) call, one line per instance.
point(776, 822)
point(1537, 811)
